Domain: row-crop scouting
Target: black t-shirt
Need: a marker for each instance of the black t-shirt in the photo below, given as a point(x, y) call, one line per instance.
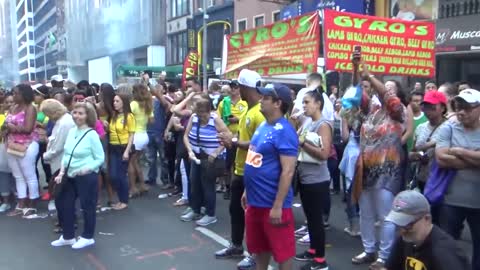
point(438, 252)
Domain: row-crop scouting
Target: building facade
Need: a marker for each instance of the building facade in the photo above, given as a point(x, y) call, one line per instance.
point(255, 13)
point(8, 44)
point(25, 40)
point(180, 31)
point(45, 27)
point(220, 12)
point(458, 42)
point(110, 34)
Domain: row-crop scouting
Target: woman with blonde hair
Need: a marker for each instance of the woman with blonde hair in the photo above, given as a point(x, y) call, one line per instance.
point(83, 156)
point(142, 110)
point(53, 155)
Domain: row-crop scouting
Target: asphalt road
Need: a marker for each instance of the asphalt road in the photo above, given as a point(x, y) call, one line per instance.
point(148, 235)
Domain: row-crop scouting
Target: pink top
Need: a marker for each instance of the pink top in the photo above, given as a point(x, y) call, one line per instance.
point(19, 120)
point(100, 129)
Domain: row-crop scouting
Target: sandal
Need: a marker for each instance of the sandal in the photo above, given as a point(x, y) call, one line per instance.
point(120, 206)
point(16, 212)
point(29, 211)
point(58, 230)
point(134, 195)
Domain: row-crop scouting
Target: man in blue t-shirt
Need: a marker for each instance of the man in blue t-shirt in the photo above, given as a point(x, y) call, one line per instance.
point(269, 169)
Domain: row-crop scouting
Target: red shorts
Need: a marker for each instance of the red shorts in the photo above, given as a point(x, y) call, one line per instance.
point(262, 236)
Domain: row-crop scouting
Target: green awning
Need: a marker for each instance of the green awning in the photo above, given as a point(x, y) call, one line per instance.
point(136, 71)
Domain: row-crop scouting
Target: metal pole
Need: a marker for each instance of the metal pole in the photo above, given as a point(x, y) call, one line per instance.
point(45, 62)
point(204, 46)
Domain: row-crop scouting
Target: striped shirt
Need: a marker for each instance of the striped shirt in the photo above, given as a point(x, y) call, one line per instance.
point(205, 138)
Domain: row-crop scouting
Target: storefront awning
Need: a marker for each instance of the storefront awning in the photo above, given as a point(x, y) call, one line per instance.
point(458, 34)
point(136, 71)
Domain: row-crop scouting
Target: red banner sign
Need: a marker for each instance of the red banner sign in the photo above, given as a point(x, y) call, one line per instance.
point(190, 67)
point(388, 46)
point(285, 47)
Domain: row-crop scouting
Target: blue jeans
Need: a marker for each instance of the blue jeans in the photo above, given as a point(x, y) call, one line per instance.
point(451, 221)
point(118, 169)
point(351, 208)
point(156, 148)
point(85, 188)
point(202, 180)
point(375, 204)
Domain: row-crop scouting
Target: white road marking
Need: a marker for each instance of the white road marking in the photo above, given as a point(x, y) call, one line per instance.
point(222, 241)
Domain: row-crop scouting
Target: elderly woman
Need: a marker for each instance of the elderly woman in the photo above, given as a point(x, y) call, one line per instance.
point(83, 156)
point(58, 113)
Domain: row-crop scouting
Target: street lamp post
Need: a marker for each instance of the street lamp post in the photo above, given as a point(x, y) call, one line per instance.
point(204, 47)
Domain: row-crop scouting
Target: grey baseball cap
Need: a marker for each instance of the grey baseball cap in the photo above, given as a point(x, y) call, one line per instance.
point(408, 206)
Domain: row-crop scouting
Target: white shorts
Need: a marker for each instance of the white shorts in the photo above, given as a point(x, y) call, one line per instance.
point(140, 141)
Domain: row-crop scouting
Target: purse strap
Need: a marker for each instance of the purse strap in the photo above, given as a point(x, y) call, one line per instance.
point(71, 154)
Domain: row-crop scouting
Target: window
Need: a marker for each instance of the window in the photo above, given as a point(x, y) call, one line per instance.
point(29, 6)
point(177, 48)
point(32, 63)
point(241, 25)
point(211, 3)
point(276, 16)
point(258, 21)
point(30, 22)
point(179, 8)
point(30, 35)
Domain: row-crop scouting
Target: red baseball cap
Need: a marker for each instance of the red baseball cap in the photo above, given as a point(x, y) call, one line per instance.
point(435, 97)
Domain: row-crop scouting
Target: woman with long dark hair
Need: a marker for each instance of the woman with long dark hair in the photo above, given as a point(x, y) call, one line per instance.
point(314, 176)
point(22, 149)
point(105, 113)
point(142, 110)
point(121, 129)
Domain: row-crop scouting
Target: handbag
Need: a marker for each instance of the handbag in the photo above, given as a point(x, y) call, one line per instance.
point(438, 180)
point(17, 149)
point(58, 187)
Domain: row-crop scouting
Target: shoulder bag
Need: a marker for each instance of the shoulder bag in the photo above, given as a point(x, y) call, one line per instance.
point(438, 180)
point(58, 187)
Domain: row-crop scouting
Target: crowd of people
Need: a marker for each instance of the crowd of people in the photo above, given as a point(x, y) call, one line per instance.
point(404, 162)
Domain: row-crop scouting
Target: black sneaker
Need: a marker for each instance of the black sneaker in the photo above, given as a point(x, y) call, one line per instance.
point(314, 265)
point(304, 257)
point(229, 253)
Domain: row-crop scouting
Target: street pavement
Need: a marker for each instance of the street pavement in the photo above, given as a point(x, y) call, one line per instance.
point(149, 235)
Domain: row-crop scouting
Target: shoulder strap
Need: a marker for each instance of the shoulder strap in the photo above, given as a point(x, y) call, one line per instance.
point(435, 128)
point(71, 154)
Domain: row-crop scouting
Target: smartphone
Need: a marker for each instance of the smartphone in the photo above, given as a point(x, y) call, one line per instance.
point(357, 51)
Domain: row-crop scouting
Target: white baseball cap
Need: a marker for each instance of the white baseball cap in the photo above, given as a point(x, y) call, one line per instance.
point(249, 78)
point(471, 96)
point(57, 78)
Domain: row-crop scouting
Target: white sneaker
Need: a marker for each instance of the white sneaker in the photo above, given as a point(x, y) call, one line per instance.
point(51, 206)
point(82, 242)
point(304, 240)
point(62, 242)
point(206, 220)
point(352, 232)
point(5, 207)
point(301, 232)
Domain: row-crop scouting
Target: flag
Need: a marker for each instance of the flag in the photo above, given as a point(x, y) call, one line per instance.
point(52, 39)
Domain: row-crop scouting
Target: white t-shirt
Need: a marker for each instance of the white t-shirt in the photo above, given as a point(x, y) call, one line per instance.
point(328, 111)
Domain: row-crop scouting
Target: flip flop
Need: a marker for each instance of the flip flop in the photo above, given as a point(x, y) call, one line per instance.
point(16, 212)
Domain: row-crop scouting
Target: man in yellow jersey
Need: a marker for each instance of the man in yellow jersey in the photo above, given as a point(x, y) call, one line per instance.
point(248, 81)
point(231, 109)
